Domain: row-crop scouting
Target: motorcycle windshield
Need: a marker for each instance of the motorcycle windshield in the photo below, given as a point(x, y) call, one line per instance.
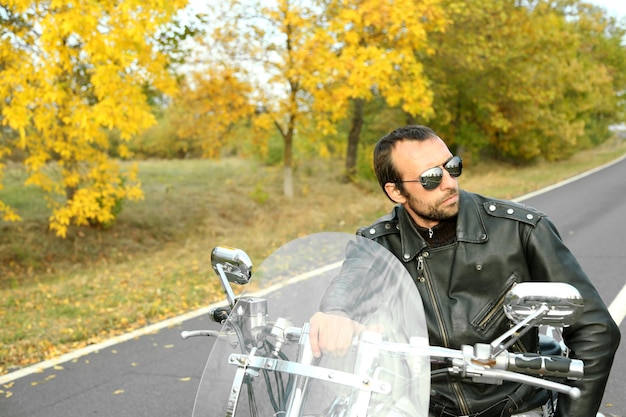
point(261, 363)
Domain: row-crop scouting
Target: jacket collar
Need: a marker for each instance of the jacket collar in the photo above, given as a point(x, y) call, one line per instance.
point(470, 227)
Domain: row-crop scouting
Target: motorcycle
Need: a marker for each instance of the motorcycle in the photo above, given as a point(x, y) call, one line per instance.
point(261, 366)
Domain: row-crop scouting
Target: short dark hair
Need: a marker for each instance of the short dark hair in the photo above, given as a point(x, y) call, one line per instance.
point(383, 165)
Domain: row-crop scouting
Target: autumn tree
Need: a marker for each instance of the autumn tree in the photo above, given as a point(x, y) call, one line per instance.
point(264, 42)
point(519, 78)
point(71, 74)
point(366, 49)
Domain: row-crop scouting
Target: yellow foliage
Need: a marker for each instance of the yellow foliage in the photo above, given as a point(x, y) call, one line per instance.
point(208, 105)
point(371, 47)
point(70, 74)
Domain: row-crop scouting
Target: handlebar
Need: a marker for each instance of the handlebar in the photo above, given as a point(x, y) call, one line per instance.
point(525, 363)
point(545, 365)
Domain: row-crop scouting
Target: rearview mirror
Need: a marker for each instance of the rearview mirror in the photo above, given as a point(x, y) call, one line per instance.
point(564, 302)
point(235, 264)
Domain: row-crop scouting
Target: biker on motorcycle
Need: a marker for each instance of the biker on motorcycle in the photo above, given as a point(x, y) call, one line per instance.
point(464, 252)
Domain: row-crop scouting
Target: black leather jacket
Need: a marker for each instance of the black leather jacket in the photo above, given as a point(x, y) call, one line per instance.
point(498, 243)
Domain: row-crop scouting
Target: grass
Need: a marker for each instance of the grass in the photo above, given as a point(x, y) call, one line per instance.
point(58, 295)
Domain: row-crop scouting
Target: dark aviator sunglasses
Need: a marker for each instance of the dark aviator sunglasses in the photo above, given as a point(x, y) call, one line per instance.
point(431, 178)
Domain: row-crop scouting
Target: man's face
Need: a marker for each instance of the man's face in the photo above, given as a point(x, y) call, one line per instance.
point(427, 207)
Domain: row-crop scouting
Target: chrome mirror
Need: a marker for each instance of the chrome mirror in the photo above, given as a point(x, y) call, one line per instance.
point(564, 303)
point(235, 264)
point(232, 266)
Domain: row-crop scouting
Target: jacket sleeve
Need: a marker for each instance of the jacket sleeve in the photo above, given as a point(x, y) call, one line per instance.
point(369, 276)
point(595, 338)
point(344, 290)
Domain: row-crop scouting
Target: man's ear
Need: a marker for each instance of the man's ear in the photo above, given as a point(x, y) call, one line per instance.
point(394, 193)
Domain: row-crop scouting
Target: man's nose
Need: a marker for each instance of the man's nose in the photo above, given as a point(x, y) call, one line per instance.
point(447, 181)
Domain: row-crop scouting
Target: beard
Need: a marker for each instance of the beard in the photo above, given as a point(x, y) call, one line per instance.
point(434, 211)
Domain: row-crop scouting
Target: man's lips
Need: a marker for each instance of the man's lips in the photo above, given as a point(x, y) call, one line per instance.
point(451, 199)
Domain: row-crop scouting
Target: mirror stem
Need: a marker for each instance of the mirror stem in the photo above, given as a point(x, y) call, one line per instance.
point(520, 329)
point(230, 295)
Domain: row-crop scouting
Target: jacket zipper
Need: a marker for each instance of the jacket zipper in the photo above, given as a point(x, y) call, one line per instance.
point(422, 277)
point(496, 309)
point(421, 274)
point(463, 407)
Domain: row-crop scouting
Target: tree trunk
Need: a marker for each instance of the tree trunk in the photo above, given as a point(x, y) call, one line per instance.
point(288, 182)
point(353, 140)
point(288, 165)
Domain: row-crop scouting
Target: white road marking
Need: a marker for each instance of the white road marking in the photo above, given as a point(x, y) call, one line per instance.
point(618, 307)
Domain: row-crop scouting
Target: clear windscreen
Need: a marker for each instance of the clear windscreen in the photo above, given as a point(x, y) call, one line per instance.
point(261, 365)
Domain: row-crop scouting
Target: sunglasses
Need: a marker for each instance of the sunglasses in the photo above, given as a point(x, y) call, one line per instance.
point(431, 178)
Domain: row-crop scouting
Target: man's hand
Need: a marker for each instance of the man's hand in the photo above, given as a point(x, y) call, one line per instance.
point(332, 334)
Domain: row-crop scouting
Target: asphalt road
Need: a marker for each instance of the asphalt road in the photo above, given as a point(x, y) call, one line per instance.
point(157, 374)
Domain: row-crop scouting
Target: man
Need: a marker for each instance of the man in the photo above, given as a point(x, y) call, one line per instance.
point(464, 252)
